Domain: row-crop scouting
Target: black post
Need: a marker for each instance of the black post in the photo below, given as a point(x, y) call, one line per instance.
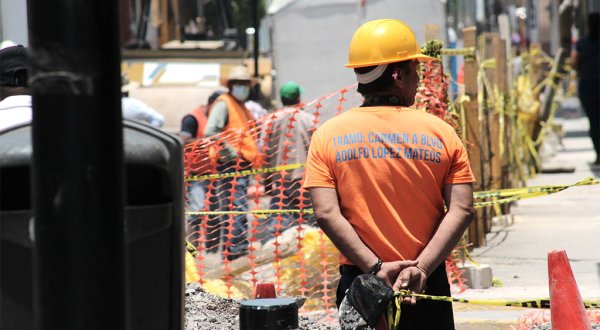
point(256, 24)
point(78, 171)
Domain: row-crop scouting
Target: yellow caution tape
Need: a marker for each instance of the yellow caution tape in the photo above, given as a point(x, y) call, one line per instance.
point(529, 303)
point(253, 212)
point(468, 51)
point(504, 195)
point(245, 172)
point(191, 271)
point(191, 248)
point(546, 189)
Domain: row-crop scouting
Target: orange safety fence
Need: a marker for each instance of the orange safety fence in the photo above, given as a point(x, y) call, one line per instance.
point(248, 220)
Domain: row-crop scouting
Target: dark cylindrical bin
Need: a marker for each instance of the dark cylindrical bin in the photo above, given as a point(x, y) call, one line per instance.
point(153, 229)
point(271, 314)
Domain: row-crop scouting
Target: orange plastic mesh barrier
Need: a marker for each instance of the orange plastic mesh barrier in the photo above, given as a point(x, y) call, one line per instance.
point(251, 221)
point(246, 218)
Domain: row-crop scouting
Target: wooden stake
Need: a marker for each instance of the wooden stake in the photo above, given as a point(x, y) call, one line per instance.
point(432, 32)
point(474, 136)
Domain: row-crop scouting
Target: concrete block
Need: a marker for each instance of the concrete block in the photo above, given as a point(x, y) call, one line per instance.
point(478, 277)
point(504, 220)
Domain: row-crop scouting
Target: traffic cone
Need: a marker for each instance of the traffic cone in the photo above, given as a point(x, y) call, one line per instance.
point(566, 307)
point(264, 290)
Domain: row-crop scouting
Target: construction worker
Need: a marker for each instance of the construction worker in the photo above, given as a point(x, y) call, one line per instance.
point(231, 126)
point(15, 94)
point(136, 110)
point(193, 124)
point(192, 129)
point(287, 133)
point(380, 176)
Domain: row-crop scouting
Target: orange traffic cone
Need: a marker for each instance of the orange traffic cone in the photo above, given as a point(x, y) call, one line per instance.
point(566, 307)
point(264, 290)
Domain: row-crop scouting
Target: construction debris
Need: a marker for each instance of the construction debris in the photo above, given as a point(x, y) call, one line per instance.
point(204, 310)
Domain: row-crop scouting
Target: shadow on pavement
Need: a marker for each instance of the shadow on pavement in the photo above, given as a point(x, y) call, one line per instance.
point(576, 134)
point(596, 170)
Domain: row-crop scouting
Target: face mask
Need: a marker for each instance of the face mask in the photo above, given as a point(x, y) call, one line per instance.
point(240, 92)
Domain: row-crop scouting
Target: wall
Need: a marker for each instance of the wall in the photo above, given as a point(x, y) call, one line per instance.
point(13, 21)
point(310, 38)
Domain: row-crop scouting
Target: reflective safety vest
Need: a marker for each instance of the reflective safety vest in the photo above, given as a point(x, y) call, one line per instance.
point(240, 129)
point(196, 159)
point(200, 115)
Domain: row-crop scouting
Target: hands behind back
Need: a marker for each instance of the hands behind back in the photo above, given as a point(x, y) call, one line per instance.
point(413, 279)
point(405, 275)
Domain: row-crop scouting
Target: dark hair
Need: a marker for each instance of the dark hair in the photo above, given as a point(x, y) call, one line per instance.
point(594, 25)
point(288, 101)
point(213, 97)
point(384, 81)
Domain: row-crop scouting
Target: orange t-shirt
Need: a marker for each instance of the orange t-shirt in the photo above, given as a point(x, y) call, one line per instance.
point(388, 165)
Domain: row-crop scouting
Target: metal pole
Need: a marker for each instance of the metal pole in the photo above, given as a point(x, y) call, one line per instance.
point(256, 25)
point(78, 167)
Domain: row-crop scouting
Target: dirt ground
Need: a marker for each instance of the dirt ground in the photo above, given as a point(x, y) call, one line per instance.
point(204, 310)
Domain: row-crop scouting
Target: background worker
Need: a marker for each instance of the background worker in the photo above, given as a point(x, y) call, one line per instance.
point(192, 128)
point(194, 123)
point(586, 61)
point(287, 133)
point(256, 110)
point(136, 110)
point(15, 94)
point(380, 175)
point(237, 151)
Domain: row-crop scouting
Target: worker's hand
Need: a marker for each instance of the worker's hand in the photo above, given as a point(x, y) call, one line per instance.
point(227, 153)
point(390, 270)
point(413, 279)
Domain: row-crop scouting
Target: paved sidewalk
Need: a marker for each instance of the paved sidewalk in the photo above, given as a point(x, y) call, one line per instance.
point(568, 220)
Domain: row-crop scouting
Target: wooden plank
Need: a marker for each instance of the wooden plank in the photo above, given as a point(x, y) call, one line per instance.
point(494, 118)
point(432, 32)
point(470, 79)
point(473, 130)
point(501, 81)
point(164, 22)
point(177, 23)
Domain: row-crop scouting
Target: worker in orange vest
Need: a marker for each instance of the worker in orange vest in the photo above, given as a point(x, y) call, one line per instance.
point(233, 129)
point(196, 163)
point(194, 123)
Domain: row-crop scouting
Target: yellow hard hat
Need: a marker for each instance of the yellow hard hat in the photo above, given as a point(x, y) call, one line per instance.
point(383, 41)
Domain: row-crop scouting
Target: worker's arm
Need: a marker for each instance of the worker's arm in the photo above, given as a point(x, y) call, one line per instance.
point(217, 119)
point(342, 234)
point(459, 200)
point(134, 109)
point(189, 128)
point(574, 61)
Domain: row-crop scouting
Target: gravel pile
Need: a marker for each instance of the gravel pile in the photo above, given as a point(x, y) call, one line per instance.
point(204, 310)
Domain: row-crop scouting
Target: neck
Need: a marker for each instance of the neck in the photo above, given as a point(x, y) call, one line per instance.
point(388, 99)
point(405, 100)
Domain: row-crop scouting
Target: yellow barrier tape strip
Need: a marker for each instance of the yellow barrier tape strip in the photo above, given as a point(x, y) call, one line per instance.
point(191, 248)
point(530, 303)
point(468, 51)
point(245, 172)
point(463, 115)
point(254, 212)
point(505, 195)
point(531, 190)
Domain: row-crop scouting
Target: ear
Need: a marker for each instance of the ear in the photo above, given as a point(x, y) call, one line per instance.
point(395, 73)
